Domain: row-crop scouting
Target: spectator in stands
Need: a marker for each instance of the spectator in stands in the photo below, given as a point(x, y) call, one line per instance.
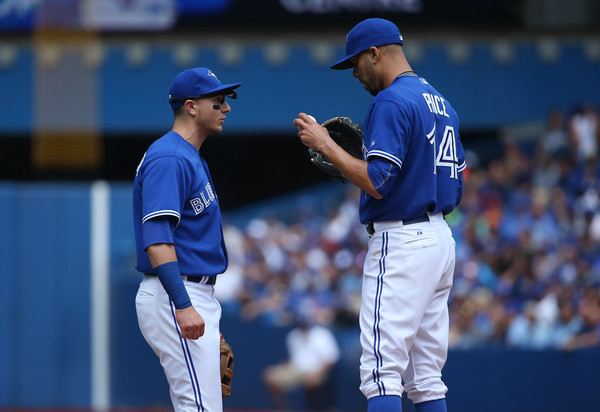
point(568, 324)
point(554, 140)
point(312, 353)
point(584, 131)
point(522, 328)
point(589, 310)
point(474, 321)
point(533, 328)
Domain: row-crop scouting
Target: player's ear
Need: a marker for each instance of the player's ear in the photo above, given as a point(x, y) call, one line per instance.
point(190, 107)
point(373, 54)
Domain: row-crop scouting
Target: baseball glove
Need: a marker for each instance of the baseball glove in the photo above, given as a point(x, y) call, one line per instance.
point(226, 368)
point(347, 135)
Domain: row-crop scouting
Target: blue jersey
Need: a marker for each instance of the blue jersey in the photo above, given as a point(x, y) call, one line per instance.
point(173, 180)
point(411, 125)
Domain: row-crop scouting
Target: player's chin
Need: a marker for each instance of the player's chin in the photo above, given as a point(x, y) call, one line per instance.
point(368, 89)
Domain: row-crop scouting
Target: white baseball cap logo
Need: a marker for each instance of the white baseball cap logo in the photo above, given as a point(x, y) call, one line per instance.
point(210, 73)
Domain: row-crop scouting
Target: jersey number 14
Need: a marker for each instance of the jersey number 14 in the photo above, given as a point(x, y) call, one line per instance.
point(445, 155)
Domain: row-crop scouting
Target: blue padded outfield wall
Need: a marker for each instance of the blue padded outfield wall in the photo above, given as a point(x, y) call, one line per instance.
point(491, 82)
point(45, 344)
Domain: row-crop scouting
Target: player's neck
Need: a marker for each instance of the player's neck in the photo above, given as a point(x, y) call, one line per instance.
point(189, 134)
point(395, 70)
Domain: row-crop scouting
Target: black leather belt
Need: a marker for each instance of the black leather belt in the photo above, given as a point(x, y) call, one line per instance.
point(205, 280)
point(424, 218)
point(370, 227)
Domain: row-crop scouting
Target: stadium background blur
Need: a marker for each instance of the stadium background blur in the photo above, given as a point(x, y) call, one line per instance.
point(84, 93)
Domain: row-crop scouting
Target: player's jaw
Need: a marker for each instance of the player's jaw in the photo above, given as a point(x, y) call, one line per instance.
point(216, 127)
point(220, 119)
point(365, 73)
point(369, 84)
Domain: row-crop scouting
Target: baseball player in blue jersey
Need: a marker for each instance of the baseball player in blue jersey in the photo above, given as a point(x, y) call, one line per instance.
point(180, 246)
point(410, 176)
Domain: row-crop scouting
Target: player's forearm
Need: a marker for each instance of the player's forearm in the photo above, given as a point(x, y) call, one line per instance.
point(164, 261)
point(160, 253)
point(359, 176)
point(355, 170)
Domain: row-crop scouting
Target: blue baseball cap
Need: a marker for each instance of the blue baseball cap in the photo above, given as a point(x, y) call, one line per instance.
point(367, 33)
point(198, 82)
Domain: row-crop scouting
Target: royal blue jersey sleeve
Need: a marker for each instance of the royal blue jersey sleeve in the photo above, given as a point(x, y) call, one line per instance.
point(163, 191)
point(387, 137)
point(158, 230)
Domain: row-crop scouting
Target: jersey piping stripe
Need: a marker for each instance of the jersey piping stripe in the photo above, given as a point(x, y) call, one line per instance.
point(377, 316)
point(385, 156)
point(161, 213)
point(387, 177)
point(462, 167)
point(189, 363)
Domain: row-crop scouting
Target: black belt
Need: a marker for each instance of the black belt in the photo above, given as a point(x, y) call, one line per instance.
point(370, 226)
point(205, 280)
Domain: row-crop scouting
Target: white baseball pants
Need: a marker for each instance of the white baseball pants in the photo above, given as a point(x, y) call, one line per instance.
point(404, 323)
point(192, 367)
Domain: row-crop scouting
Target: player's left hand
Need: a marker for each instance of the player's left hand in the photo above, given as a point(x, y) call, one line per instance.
point(311, 133)
point(190, 323)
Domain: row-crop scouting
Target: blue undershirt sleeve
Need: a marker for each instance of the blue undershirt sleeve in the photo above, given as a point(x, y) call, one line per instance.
point(382, 173)
point(158, 230)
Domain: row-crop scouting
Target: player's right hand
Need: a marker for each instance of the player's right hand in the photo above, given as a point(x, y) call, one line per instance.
point(190, 323)
point(311, 133)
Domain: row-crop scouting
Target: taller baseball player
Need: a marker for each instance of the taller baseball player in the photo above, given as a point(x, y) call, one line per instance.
point(180, 246)
point(410, 176)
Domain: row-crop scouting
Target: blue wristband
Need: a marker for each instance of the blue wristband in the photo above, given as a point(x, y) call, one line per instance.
point(170, 277)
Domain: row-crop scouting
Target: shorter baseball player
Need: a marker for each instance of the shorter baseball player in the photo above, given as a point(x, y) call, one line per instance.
point(180, 246)
point(410, 176)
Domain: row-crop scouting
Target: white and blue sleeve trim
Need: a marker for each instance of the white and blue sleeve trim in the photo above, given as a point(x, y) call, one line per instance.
point(157, 213)
point(385, 155)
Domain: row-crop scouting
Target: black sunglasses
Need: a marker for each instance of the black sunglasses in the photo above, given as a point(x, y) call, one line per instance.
point(231, 95)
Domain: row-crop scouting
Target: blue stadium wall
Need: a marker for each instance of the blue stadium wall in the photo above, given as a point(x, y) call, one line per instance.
point(491, 82)
point(45, 344)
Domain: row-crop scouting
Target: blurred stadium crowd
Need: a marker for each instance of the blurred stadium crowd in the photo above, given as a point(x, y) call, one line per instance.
point(528, 250)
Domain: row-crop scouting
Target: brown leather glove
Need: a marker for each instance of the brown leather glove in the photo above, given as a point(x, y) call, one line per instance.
point(226, 368)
